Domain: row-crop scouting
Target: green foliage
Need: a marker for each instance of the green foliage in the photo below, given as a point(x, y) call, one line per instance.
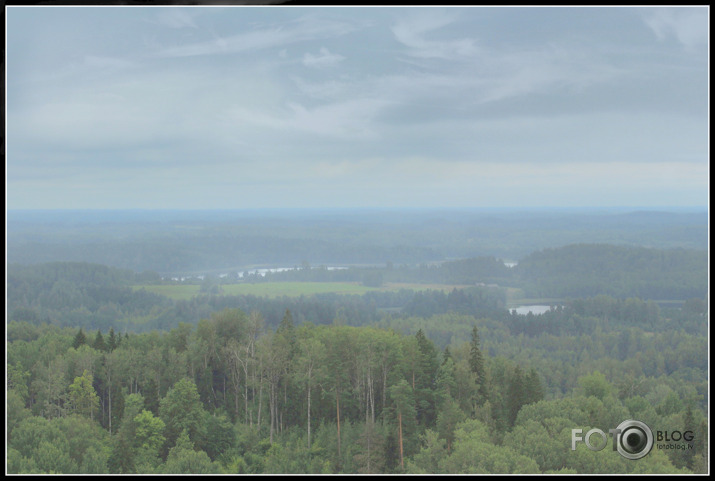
point(218, 435)
point(369, 457)
point(432, 451)
point(72, 445)
point(584, 270)
point(82, 397)
point(474, 454)
point(99, 343)
point(182, 411)
point(291, 455)
point(148, 431)
point(476, 365)
point(79, 340)
point(17, 379)
point(16, 411)
point(232, 394)
point(595, 385)
point(183, 459)
point(449, 417)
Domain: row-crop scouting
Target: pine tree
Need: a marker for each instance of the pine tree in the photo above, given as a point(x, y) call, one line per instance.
point(403, 397)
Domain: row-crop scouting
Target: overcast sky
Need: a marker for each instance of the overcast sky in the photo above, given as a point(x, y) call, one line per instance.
point(252, 107)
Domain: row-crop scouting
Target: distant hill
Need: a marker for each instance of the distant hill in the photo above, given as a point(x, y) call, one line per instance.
point(196, 242)
point(584, 270)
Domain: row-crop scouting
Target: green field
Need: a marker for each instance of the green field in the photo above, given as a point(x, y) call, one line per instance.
point(278, 289)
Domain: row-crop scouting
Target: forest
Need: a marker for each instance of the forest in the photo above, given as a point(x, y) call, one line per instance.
point(231, 396)
point(438, 375)
point(189, 242)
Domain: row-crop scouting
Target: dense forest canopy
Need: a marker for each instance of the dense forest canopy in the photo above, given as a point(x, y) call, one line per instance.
point(114, 369)
point(231, 395)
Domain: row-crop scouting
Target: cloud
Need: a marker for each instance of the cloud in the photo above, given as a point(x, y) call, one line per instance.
point(344, 119)
point(300, 30)
point(94, 63)
point(412, 32)
point(451, 103)
point(323, 59)
point(688, 25)
point(176, 18)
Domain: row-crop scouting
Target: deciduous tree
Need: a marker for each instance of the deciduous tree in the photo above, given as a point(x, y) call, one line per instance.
point(83, 398)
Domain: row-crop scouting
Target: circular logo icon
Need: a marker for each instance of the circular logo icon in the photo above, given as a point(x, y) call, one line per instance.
point(634, 439)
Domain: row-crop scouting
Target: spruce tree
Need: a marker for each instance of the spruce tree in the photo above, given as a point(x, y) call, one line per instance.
point(99, 343)
point(534, 391)
point(151, 397)
point(113, 341)
point(426, 380)
point(515, 395)
point(446, 355)
point(688, 455)
point(476, 365)
point(79, 339)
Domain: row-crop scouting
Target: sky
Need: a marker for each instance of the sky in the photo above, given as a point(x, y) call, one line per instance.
point(217, 107)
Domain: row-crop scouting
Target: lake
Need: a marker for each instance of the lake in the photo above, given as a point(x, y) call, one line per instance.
point(263, 272)
point(534, 309)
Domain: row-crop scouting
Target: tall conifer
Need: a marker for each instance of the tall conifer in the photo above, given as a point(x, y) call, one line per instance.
point(476, 365)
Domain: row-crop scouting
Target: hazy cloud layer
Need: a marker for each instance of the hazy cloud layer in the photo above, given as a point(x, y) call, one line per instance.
point(208, 107)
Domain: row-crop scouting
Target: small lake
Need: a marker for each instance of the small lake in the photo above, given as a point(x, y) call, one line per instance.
point(263, 272)
point(535, 309)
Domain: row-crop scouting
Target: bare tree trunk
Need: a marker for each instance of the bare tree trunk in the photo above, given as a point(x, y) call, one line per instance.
point(371, 394)
point(110, 406)
point(371, 427)
point(260, 402)
point(384, 390)
point(309, 413)
point(285, 401)
point(272, 408)
point(337, 398)
point(399, 419)
point(245, 393)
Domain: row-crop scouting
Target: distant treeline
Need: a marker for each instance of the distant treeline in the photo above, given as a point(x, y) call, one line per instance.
point(592, 269)
point(40, 294)
point(580, 270)
point(178, 243)
point(99, 297)
point(189, 253)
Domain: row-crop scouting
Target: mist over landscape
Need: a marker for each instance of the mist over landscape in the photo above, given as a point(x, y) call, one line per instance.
point(202, 242)
point(326, 240)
